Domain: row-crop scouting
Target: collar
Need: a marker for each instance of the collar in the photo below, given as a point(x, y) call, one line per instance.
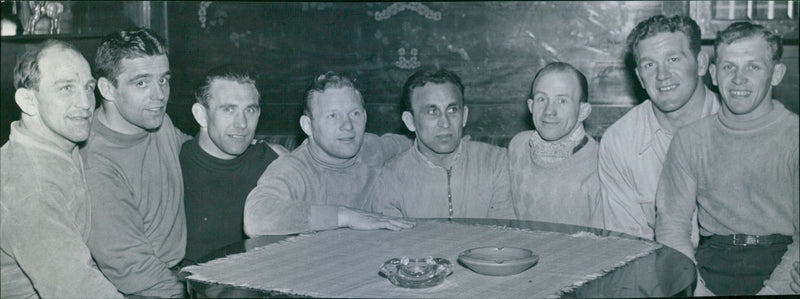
point(317, 160)
point(554, 151)
point(26, 137)
point(430, 163)
point(652, 127)
point(114, 136)
point(755, 124)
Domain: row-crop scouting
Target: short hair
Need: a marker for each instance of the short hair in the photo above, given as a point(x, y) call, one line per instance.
point(741, 30)
point(126, 44)
point(429, 75)
point(26, 71)
point(563, 67)
point(330, 79)
point(660, 24)
point(230, 72)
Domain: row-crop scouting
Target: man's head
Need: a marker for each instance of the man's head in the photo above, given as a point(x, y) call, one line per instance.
point(434, 110)
point(133, 76)
point(227, 111)
point(558, 100)
point(746, 67)
point(334, 117)
point(669, 63)
point(55, 91)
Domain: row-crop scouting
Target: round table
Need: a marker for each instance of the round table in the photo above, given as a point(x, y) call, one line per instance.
point(665, 272)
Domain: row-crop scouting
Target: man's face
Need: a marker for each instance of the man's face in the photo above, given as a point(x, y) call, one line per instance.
point(231, 118)
point(142, 91)
point(438, 116)
point(555, 105)
point(65, 97)
point(337, 122)
point(668, 70)
point(745, 74)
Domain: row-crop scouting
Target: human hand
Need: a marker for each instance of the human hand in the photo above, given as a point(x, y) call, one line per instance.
point(363, 220)
point(701, 290)
point(795, 284)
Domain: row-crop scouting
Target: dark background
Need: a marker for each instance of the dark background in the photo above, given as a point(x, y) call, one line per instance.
point(496, 48)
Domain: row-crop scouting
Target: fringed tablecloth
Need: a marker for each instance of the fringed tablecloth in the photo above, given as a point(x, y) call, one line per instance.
point(346, 263)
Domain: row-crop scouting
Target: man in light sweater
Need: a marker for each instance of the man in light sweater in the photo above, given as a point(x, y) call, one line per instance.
point(132, 169)
point(322, 184)
point(553, 170)
point(739, 170)
point(670, 67)
point(44, 202)
point(442, 175)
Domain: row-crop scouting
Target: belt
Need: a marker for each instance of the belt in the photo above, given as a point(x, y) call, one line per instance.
point(749, 240)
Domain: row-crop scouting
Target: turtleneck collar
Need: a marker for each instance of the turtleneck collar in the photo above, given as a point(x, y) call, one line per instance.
point(554, 151)
point(23, 135)
point(114, 136)
point(318, 160)
point(754, 124)
point(455, 157)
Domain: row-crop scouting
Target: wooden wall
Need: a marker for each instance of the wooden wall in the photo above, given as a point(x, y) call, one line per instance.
point(496, 47)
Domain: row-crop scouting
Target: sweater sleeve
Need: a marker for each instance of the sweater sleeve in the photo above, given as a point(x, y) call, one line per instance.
point(394, 144)
point(47, 246)
point(676, 199)
point(118, 242)
point(778, 282)
point(280, 203)
point(500, 205)
point(385, 199)
point(621, 209)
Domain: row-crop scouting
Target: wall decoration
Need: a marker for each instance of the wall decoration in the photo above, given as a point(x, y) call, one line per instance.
point(417, 7)
point(410, 63)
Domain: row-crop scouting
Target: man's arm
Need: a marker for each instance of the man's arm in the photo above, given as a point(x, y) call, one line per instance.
point(384, 195)
point(501, 206)
point(781, 278)
point(118, 243)
point(621, 206)
point(43, 240)
point(394, 144)
point(676, 200)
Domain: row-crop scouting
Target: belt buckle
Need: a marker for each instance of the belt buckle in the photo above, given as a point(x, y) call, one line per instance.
point(745, 240)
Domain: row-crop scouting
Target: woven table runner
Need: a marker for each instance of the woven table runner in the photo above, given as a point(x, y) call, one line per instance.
point(346, 263)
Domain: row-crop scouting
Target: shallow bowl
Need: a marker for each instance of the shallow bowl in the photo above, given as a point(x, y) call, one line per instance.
point(498, 261)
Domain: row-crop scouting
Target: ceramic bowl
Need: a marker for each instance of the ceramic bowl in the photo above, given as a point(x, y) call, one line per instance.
point(416, 273)
point(498, 261)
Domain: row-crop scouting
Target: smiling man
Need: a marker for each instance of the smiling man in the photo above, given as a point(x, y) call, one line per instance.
point(442, 175)
point(670, 67)
point(739, 170)
point(222, 163)
point(553, 169)
point(322, 184)
point(45, 215)
point(132, 168)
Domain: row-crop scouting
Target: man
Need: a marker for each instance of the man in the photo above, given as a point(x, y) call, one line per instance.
point(132, 168)
point(553, 170)
point(44, 207)
point(323, 183)
point(670, 67)
point(221, 165)
point(442, 175)
point(739, 170)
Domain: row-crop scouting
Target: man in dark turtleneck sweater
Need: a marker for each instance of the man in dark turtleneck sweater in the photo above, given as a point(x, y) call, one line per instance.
point(222, 164)
point(739, 170)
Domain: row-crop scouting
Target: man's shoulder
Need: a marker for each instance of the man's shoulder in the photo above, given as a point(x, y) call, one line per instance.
point(518, 142)
point(484, 149)
point(632, 121)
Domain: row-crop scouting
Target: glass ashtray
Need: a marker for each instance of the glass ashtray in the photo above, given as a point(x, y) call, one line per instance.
point(416, 273)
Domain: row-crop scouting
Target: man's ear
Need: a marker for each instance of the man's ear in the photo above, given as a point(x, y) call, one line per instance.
point(26, 100)
point(106, 88)
point(408, 120)
point(639, 77)
point(530, 105)
point(305, 124)
point(702, 63)
point(777, 73)
point(585, 110)
point(712, 70)
point(464, 120)
point(200, 114)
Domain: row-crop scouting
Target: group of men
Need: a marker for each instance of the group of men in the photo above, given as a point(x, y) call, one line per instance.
point(138, 199)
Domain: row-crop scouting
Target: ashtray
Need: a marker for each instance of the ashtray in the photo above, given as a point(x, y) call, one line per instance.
point(498, 261)
point(416, 273)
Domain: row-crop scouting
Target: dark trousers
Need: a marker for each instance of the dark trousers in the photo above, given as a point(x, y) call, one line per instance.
point(736, 270)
